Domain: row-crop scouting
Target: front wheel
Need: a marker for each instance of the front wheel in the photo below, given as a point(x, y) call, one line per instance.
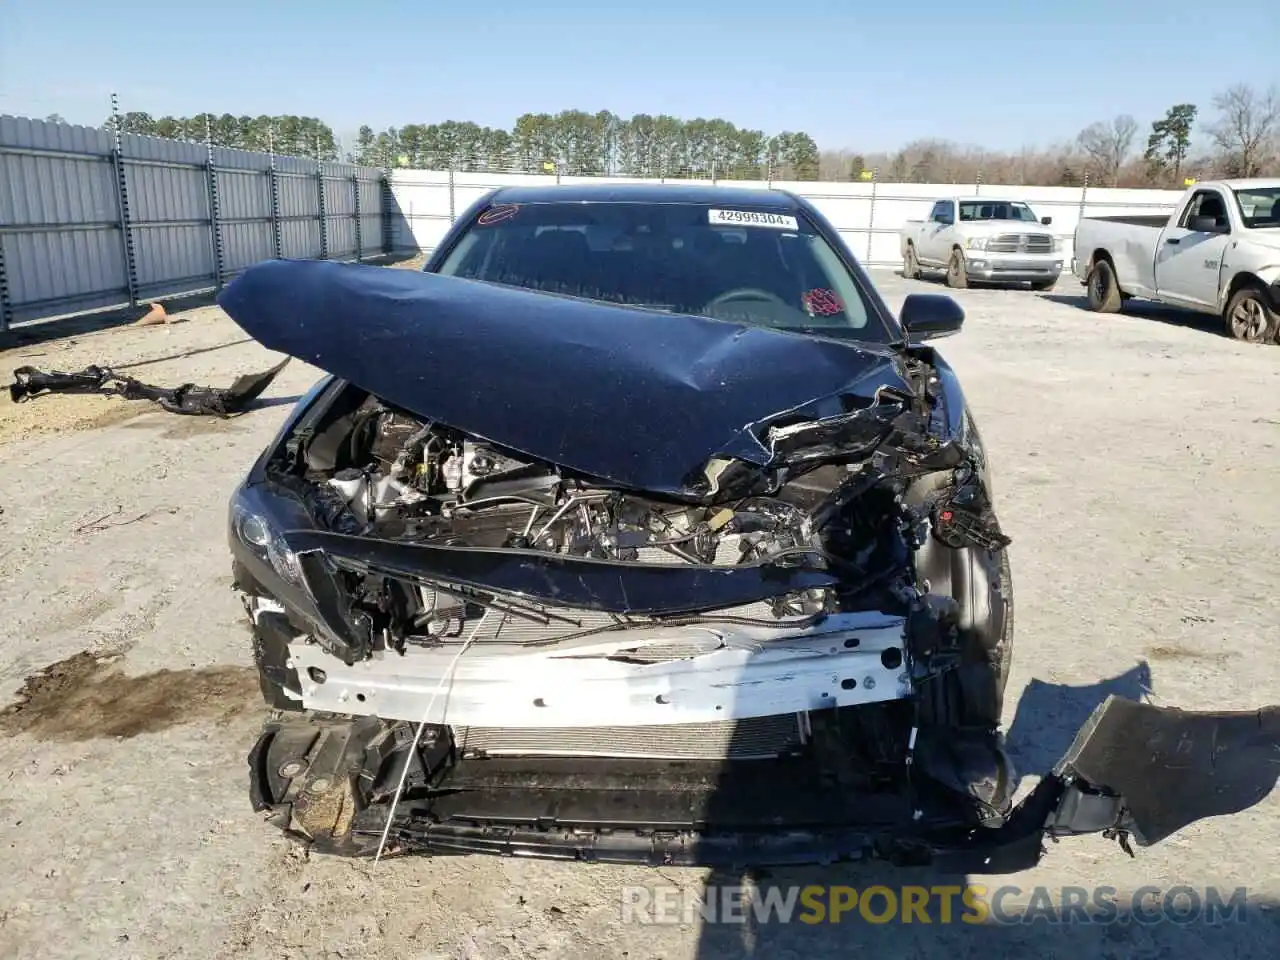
point(1248, 317)
point(957, 278)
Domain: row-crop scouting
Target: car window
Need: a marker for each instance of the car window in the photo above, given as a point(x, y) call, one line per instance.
point(941, 212)
point(996, 210)
point(1206, 203)
point(754, 267)
point(1259, 207)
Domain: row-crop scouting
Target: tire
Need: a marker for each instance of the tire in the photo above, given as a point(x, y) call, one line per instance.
point(1248, 317)
point(1043, 284)
point(910, 265)
point(1103, 291)
point(957, 279)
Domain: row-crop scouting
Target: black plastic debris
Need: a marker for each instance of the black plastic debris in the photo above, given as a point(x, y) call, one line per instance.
point(188, 398)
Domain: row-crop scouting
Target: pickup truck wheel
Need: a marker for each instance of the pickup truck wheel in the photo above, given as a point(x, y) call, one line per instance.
point(910, 265)
point(1104, 292)
point(956, 277)
point(1247, 315)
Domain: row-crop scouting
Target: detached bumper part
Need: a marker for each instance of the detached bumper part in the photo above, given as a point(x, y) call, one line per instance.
point(188, 399)
point(1134, 770)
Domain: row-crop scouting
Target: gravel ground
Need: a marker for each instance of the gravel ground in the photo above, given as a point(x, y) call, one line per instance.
point(1134, 456)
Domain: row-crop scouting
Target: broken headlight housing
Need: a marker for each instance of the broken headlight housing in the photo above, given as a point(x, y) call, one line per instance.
point(256, 532)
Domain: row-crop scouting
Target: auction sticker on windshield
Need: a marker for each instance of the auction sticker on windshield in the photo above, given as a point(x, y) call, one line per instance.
point(753, 218)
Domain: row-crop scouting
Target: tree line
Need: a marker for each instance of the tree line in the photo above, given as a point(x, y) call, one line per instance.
point(1241, 138)
point(284, 135)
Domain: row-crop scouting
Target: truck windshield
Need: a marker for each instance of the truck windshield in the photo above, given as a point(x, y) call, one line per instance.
point(996, 210)
point(1259, 207)
point(760, 268)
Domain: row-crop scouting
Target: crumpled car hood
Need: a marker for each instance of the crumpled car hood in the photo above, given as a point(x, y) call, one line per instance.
point(643, 399)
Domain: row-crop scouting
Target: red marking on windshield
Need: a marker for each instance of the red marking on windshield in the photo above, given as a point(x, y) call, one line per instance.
point(822, 303)
point(497, 214)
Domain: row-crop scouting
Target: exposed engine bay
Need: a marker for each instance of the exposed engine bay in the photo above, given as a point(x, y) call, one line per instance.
point(846, 520)
point(434, 484)
point(424, 483)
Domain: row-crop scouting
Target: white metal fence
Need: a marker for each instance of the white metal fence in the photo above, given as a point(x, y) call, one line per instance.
point(867, 214)
point(89, 221)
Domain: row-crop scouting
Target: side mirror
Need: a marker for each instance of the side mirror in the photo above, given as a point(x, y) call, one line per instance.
point(928, 316)
point(1203, 225)
point(1046, 220)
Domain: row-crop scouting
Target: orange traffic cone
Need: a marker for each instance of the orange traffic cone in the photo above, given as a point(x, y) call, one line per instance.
point(153, 316)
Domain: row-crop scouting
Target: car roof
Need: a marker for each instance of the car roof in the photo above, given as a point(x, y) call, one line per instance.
point(771, 200)
point(989, 200)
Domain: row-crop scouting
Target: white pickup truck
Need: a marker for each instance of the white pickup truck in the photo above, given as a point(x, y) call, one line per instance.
point(982, 238)
point(1217, 253)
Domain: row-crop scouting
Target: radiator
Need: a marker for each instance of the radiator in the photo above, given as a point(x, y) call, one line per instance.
point(752, 739)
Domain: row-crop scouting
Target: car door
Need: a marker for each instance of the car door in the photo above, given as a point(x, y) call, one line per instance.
point(1189, 262)
point(933, 241)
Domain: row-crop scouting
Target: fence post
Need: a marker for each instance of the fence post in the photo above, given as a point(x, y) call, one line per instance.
point(453, 213)
point(215, 227)
point(324, 219)
point(122, 200)
point(1084, 190)
point(871, 214)
point(273, 181)
point(388, 205)
point(355, 206)
point(6, 305)
point(977, 184)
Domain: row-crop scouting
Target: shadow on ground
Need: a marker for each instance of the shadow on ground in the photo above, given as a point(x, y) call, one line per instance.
point(1017, 921)
point(1049, 715)
point(1145, 310)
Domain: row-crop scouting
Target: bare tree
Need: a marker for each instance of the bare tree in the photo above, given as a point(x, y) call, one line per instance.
point(1107, 146)
point(1243, 131)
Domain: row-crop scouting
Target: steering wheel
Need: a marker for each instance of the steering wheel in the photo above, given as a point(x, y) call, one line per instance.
point(746, 293)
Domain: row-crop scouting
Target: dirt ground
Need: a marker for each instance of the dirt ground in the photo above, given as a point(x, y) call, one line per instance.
point(1135, 463)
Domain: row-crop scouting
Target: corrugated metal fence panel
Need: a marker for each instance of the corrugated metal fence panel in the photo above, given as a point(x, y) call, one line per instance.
point(244, 206)
point(340, 209)
point(371, 197)
point(299, 214)
point(59, 220)
point(60, 217)
point(168, 184)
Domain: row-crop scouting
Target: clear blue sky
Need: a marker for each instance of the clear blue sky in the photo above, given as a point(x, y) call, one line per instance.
point(999, 73)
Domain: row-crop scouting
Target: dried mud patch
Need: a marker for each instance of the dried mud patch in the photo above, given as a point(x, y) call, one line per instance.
point(88, 696)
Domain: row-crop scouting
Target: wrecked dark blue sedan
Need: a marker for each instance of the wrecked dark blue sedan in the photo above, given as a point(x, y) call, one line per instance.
point(637, 528)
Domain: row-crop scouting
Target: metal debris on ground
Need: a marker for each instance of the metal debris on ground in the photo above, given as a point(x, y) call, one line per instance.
point(190, 399)
point(94, 526)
